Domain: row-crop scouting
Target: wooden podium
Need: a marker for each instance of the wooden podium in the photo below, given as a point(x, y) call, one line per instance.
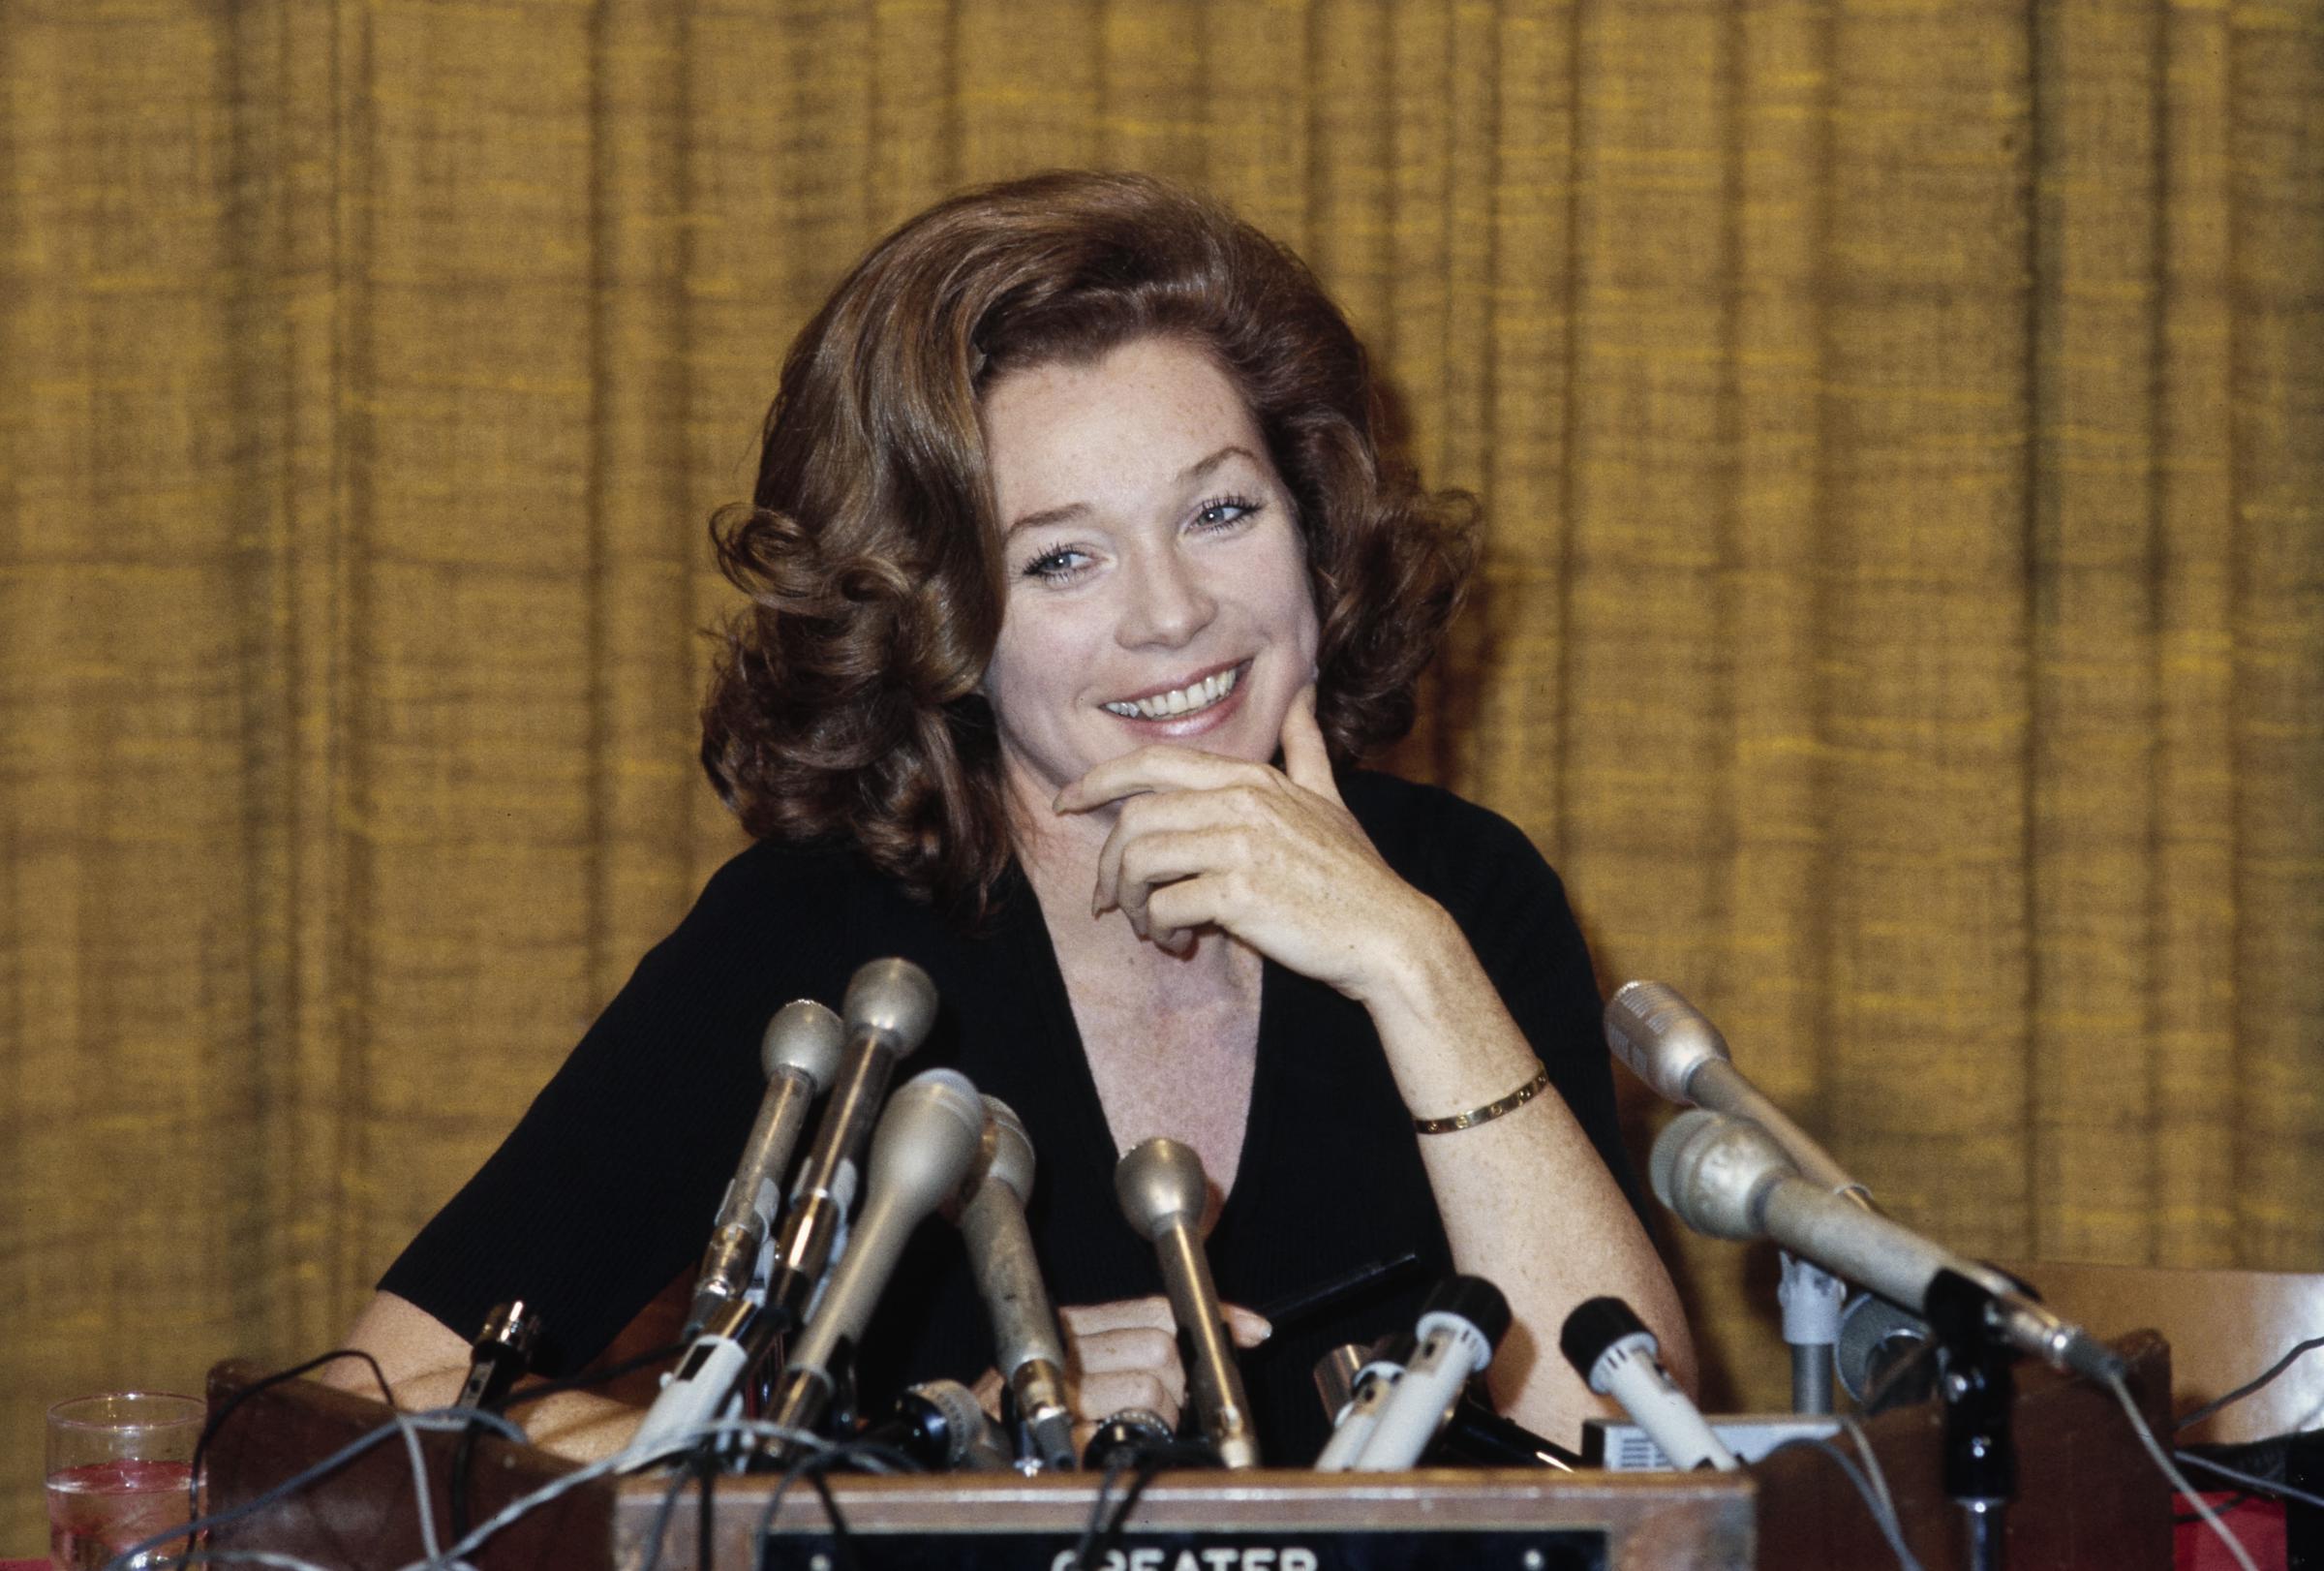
point(2089, 1498)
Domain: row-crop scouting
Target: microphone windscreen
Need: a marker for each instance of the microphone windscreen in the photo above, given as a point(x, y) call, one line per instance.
point(1472, 1299)
point(1596, 1325)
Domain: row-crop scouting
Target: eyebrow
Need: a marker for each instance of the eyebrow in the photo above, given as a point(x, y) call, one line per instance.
point(1193, 472)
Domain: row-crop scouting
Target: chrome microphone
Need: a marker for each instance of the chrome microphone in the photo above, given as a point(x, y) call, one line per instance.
point(799, 1051)
point(1160, 1185)
point(1673, 1047)
point(1616, 1356)
point(1729, 1178)
point(927, 1138)
point(1462, 1321)
point(890, 1006)
point(1028, 1350)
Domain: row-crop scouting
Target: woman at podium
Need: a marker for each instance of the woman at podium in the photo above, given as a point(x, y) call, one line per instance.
point(1079, 588)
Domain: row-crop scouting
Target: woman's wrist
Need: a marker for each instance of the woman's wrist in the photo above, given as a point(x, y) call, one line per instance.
point(1449, 1042)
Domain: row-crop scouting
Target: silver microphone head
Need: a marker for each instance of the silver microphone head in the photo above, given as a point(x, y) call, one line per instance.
point(1710, 1168)
point(1662, 1036)
point(803, 1039)
point(893, 998)
point(1160, 1185)
point(1012, 1160)
point(927, 1137)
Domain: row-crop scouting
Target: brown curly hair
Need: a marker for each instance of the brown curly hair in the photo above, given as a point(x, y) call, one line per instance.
point(845, 700)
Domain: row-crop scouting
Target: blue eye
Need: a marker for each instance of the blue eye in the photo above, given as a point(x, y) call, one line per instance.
point(1225, 511)
point(1055, 566)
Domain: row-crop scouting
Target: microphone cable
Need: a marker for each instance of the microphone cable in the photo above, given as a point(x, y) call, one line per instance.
point(1145, 1460)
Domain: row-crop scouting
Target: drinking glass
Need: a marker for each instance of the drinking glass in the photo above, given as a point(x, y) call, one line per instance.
point(119, 1466)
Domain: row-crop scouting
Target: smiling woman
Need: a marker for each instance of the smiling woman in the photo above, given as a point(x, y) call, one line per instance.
point(1079, 587)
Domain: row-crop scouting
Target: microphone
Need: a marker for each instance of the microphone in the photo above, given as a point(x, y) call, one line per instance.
point(800, 1048)
point(501, 1352)
point(889, 1008)
point(1462, 1320)
point(1673, 1047)
point(927, 1138)
point(1028, 1350)
point(939, 1426)
point(1730, 1179)
point(1880, 1357)
point(1356, 1414)
point(1160, 1185)
point(1611, 1349)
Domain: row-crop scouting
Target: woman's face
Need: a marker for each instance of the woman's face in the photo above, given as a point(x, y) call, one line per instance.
point(1157, 581)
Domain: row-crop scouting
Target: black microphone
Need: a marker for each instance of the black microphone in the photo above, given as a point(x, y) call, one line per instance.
point(938, 1424)
point(1028, 1350)
point(929, 1133)
point(799, 1051)
point(1616, 1356)
point(1730, 1179)
point(501, 1353)
point(890, 1006)
point(1161, 1189)
point(1462, 1320)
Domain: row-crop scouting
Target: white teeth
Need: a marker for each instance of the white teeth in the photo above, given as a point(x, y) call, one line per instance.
point(1185, 701)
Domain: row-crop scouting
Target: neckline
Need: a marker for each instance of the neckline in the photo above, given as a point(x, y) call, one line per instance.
point(1093, 1130)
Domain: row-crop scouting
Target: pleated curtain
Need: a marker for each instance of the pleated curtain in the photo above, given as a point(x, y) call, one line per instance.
point(1899, 427)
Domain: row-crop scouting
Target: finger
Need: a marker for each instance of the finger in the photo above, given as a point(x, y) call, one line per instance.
point(1153, 861)
point(1248, 1327)
point(987, 1391)
point(1159, 767)
point(1100, 1397)
point(1136, 1347)
point(1306, 759)
point(1115, 1314)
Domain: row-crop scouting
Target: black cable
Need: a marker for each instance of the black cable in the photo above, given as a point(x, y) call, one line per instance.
point(707, 1462)
point(812, 1466)
point(843, 1546)
point(217, 1420)
point(2199, 1415)
point(681, 1469)
point(1147, 1460)
point(2251, 1481)
point(2236, 1500)
point(589, 1377)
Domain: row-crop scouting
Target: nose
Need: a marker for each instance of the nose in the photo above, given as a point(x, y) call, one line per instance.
point(1167, 602)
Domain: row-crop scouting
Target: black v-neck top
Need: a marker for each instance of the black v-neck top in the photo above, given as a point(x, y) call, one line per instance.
point(607, 1189)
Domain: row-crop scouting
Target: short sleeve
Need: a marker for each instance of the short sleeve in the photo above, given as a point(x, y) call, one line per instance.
point(608, 1184)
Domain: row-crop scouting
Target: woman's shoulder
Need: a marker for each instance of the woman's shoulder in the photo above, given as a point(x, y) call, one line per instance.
point(1410, 820)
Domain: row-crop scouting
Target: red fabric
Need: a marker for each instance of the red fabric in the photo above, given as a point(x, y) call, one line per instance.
point(2257, 1524)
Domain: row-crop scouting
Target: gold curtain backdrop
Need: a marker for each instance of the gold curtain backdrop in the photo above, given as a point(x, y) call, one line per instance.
point(1901, 427)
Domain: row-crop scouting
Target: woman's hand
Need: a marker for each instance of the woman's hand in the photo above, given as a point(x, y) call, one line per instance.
point(1125, 1354)
point(1272, 857)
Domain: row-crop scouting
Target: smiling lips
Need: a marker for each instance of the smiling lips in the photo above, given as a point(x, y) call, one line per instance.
point(1192, 698)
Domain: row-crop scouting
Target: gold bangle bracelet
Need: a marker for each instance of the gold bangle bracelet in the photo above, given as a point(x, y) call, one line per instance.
point(1491, 1110)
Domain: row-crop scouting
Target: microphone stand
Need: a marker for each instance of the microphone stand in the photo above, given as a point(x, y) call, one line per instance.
point(1811, 1299)
point(1979, 1389)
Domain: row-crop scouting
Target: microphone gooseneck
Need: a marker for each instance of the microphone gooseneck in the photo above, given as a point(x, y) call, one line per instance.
point(799, 1051)
point(1730, 1179)
point(890, 1006)
point(1162, 1192)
